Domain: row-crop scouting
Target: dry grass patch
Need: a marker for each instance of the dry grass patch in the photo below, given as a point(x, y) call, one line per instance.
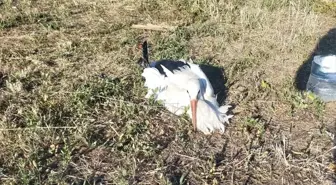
point(71, 97)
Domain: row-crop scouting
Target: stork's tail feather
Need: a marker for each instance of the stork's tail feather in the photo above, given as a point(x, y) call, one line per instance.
point(144, 60)
point(213, 127)
point(224, 108)
point(223, 116)
point(213, 120)
point(226, 118)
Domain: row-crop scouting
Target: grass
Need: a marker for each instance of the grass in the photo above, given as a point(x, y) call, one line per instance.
point(72, 107)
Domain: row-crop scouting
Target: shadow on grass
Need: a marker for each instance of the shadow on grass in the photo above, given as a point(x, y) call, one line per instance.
point(325, 46)
point(217, 80)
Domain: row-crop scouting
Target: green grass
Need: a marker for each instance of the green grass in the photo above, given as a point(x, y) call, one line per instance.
point(72, 106)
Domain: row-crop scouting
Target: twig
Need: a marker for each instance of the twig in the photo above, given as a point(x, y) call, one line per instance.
point(284, 150)
point(114, 130)
point(74, 177)
point(154, 27)
point(323, 154)
point(156, 170)
point(185, 156)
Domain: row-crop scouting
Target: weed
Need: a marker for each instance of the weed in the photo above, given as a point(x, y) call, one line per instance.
point(255, 125)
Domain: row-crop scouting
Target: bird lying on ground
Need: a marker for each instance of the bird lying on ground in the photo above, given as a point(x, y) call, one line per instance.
point(183, 87)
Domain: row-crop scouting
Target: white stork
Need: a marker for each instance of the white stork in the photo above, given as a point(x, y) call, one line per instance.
point(182, 86)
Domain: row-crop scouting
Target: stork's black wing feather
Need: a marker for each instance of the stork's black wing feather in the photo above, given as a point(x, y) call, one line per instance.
point(171, 65)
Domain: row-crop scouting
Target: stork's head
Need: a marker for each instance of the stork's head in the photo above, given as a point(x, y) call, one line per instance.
point(193, 87)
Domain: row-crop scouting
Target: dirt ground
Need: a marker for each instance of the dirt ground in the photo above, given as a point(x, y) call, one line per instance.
point(72, 106)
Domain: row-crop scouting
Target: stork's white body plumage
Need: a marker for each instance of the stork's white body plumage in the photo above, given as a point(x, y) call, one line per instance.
point(170, 89)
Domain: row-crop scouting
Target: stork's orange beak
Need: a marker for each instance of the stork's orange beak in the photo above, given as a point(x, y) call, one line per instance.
point(193, 112)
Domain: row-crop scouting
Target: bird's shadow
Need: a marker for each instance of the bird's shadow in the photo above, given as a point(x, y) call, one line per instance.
point(217, 80)
point(325, 46)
